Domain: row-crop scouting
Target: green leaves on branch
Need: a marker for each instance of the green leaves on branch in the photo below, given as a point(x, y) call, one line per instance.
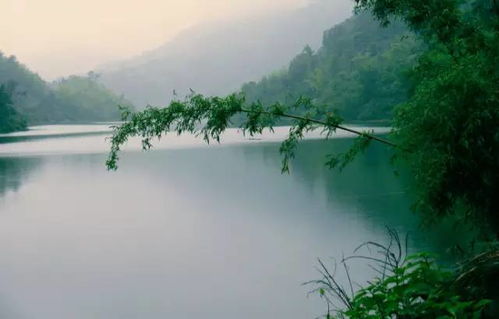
point(289, 145)
point(405, 286)
point(429, 18)
point(209, 117)
point(341, 160)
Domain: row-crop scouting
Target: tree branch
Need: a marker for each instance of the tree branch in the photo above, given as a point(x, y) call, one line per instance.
point(214, 115)
point(340, 127)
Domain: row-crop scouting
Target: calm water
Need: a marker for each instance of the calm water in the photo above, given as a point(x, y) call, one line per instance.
point(184, 231)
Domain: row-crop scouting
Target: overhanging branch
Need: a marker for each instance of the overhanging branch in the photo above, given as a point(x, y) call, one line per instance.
point(340, 127)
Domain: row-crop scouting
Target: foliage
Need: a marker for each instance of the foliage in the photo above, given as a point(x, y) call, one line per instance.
point(451, 121)
point(209, 117)
point(32, 97)
point(360, 71)
point(406, 286)
point(477, 276)
point(10, 120)
point(74, 99)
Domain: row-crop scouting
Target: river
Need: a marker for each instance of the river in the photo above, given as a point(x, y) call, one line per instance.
point(186, 230)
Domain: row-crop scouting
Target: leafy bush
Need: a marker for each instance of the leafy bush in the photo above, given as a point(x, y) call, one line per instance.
point(412, 286)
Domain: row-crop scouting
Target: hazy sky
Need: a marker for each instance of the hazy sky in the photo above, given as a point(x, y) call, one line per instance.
point(60, 37)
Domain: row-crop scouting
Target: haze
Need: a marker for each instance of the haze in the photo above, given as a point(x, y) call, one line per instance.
point(59, 37)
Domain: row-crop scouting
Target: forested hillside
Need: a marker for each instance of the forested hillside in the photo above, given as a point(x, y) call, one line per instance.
point(87, 99)
point(28, 98)
point(361, 70)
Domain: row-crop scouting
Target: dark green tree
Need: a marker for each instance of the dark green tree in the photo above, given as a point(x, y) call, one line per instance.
point(10, 119)
point(450, 123)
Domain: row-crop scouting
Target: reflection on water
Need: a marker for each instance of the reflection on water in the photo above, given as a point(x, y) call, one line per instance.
point(14, 172)
point(212, 232)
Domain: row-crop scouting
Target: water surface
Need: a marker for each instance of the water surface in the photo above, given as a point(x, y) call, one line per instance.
point(186, 230)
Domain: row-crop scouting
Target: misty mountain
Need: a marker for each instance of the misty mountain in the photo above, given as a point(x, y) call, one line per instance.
point(217, 58)
point(360, 71)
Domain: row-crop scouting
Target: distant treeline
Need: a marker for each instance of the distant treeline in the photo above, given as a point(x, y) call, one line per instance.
point(362, 70)
point(26, 99)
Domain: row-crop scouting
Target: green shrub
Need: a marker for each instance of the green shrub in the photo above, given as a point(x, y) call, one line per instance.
point(405, 287)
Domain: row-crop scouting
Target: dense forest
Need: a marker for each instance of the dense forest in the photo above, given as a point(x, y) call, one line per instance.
point(361, 71)
point(28, 99)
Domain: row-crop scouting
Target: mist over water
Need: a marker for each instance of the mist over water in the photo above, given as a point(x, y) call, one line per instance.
point(212, 232)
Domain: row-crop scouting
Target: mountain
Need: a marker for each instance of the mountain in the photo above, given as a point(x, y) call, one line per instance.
point(27, 98)
point(361, 70)
point(217, 58)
